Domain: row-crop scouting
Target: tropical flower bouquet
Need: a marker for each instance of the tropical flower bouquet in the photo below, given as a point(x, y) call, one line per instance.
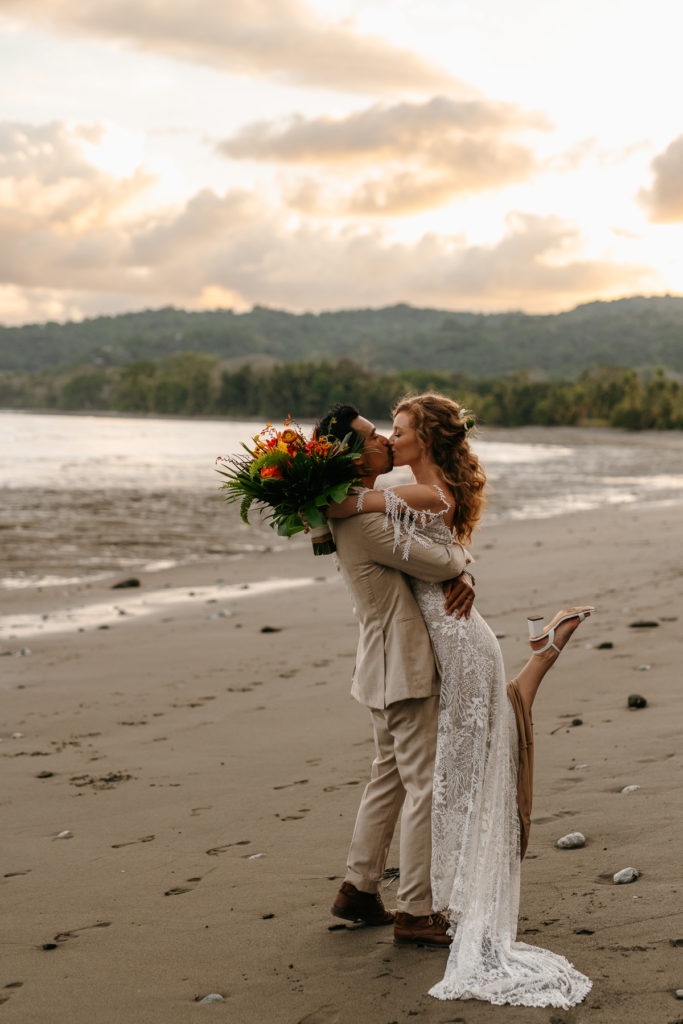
point(292, 479)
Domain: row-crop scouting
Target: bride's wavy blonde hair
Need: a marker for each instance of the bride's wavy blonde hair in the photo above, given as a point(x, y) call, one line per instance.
point(442, 427)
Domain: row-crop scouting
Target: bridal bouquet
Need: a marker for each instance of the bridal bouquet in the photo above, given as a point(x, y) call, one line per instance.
point(292, 479)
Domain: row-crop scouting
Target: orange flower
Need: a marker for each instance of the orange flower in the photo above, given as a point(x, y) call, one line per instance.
point(273, 472)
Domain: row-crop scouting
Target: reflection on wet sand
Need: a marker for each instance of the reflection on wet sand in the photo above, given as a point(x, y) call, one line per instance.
point(130, 608)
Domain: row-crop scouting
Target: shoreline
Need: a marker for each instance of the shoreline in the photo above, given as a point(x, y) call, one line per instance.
point(598, 429)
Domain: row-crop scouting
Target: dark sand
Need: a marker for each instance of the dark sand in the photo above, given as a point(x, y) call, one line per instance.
point(208, 775)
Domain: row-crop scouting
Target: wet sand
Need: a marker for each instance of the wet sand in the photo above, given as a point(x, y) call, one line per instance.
point(207, 772)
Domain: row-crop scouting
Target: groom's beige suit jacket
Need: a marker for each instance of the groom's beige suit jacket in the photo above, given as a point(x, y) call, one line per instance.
point(395, 660)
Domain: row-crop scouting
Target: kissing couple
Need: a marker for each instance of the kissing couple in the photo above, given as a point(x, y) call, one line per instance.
point(453, 740)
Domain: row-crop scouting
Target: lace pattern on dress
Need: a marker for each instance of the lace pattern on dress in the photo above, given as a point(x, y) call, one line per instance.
point(409, 522)
point(475, 824)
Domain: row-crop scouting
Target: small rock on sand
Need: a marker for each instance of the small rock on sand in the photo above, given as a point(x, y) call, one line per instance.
point(124, 584)
point(630, 789)
point(626, 875)
point(643, 624)
point(213, 997)
point(572, 841)
point(636, 700)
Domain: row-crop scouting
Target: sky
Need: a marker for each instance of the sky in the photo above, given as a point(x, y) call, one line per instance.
point(315, 155)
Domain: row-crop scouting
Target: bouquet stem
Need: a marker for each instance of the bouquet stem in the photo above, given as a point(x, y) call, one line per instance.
point(321, 538)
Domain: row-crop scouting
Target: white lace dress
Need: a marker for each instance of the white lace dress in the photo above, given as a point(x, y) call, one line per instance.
point(475, 825)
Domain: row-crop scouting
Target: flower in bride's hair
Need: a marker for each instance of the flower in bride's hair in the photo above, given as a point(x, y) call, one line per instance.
point(469, 421)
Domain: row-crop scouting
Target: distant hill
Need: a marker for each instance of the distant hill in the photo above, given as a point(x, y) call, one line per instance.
point(636, 332)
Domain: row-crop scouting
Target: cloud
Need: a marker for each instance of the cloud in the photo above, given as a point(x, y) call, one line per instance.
point(233, 245)
point(283, 38)
point(72, 242)
point(47, 181)
point(378, 132)
point(422, 154)
point(664, 201)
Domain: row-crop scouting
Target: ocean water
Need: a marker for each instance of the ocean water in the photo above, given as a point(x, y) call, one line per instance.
point(87, 495)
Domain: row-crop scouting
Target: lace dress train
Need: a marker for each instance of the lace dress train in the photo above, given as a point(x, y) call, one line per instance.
point(475, 823)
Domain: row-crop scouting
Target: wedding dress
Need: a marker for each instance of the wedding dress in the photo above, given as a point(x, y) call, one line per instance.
point(475, 824)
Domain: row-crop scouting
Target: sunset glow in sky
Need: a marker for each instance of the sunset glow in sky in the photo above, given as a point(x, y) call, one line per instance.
point(326, 154)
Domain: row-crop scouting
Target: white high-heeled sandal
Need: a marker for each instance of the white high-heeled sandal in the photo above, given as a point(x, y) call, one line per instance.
point(548, 631)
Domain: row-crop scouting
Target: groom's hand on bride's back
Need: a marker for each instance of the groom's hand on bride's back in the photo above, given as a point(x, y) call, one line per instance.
point(459, 594)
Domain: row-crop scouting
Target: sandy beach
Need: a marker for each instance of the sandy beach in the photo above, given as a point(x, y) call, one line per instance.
point(181, 780)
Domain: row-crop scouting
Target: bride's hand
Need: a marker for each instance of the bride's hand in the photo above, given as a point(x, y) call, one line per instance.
point(459, 594)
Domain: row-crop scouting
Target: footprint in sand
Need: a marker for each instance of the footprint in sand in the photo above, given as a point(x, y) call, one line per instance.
point(331, 789)
point(133, 842)
point(215, 850)
point(178, 890)
point(287, 785)
point(327, 1014)
point(73, 933)
point(4, 997)
point(196, 810)
point(551, 817)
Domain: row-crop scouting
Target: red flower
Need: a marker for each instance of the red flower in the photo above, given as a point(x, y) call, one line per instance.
point(273, 472)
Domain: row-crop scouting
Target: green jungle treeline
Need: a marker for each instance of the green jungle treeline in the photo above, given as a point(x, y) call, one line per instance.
point(639, 331)
point(197, 384)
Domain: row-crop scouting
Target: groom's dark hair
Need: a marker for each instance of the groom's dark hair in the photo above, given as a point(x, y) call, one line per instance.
point(337, 422)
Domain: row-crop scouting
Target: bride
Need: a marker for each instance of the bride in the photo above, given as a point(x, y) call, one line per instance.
point(483, 769)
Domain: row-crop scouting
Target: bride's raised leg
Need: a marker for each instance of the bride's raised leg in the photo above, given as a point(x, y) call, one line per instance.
point(544, 656)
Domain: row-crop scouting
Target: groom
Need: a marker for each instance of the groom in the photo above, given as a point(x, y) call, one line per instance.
point(397, 679)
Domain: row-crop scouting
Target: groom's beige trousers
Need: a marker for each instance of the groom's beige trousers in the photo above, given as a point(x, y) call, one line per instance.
point(396, 678)
point(401, 777)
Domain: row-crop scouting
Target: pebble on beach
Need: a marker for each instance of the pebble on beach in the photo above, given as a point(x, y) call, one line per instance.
point(630, 789)
point(213, 997)
point(636, 700)
point(626, 875)
point(124, 584)
point(572, 841)
point(643, 624)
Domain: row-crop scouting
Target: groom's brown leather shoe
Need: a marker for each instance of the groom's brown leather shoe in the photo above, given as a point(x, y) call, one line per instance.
point(354, 905)
point(429, 930)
